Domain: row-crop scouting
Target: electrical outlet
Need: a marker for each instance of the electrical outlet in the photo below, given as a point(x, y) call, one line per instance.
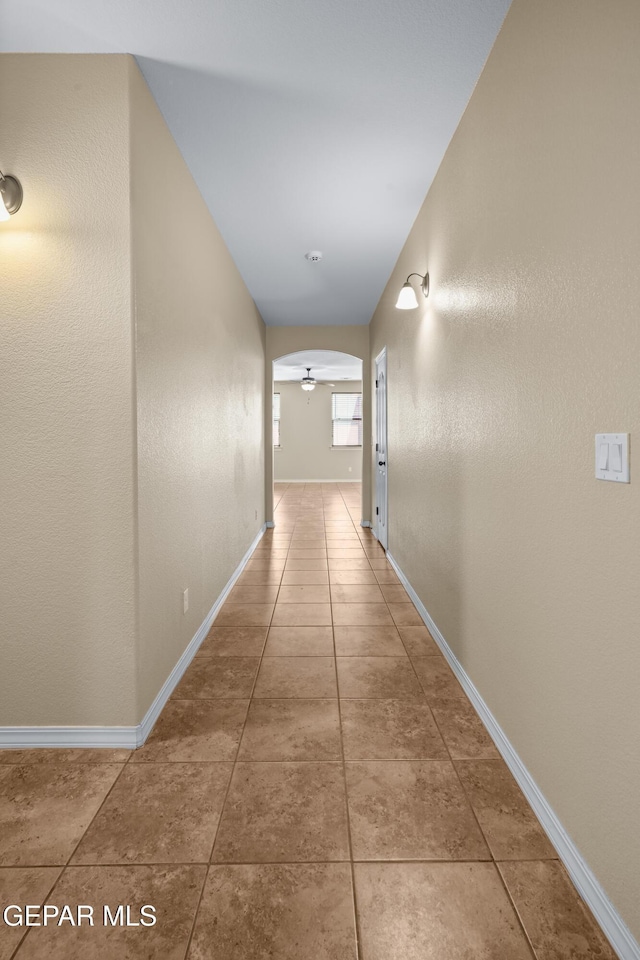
point(256, 514)
point(185, 600)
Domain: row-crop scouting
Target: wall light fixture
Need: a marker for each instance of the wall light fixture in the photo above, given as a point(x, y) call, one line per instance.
point(11, 196)
point(407, 299)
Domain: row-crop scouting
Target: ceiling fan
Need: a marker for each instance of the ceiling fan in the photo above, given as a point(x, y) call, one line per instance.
point(310, 383)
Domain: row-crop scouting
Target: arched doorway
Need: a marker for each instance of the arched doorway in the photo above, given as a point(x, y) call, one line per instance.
point(353, 348)
point(318, 429)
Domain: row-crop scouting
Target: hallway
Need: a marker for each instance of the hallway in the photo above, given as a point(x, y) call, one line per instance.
point(317, 684)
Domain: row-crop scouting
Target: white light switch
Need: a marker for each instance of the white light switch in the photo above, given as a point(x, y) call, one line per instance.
point(616, 457)
point(612, 457)
point(603, 456)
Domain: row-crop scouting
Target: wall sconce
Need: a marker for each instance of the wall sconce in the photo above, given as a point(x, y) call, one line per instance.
point(11, 196)
point(407, 299)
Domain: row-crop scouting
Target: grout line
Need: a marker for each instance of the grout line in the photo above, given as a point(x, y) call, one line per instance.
point(239, 863)
point(44, 900)
point(516, 911)
point(354, 895)
point(231, 776)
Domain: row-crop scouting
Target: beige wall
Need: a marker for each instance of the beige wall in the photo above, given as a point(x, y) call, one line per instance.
point(353, 340)
point(67, 628)
point(528, 346)
point(306, 433)
point(132, 400)
point(200, 388)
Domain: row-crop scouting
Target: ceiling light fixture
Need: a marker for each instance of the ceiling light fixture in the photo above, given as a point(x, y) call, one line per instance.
point(308, 382)
point(407, 299)
point(11, 194)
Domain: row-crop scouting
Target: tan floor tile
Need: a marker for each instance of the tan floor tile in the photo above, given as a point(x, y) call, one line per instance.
point(297, 564)
point(352, 577)
point(343, 563)
point(312, 554)
point(276, 553)
point(304, 593)
point(265, 563)
point(464, 733)
point(390, 730)
point(251, 577)
point(557, 922)
point(292, 730)
point(350, 544)
point(376, 641)
point(410, 810)
point(374, 550)
point(361, 614)
point(71, 755)
point(299, 642)
point(218, 678)
point(276, 911)
point(380, 563)
point(405, 614)
point(145, 818)
point(294, 577)
point(353, 554)
point(437, 679)
point(284, 812)
point(395, 593)
point(195, 731)
point(245, 615)
point(45, 808)
point(509, 824)
point(174, 892)
point(436, 911)
point(254, 593)
point(377, 678)
point(418, 641)
point(296, 677)
point(356, 593)
point(384, 575)
point(21, 885)
point(302, 615)
point(233, 642)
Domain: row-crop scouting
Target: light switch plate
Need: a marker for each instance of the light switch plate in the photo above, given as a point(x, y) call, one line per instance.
point(612, 457)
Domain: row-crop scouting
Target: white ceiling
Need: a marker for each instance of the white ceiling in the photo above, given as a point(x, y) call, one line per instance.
point(325, 365)
point(307, 124)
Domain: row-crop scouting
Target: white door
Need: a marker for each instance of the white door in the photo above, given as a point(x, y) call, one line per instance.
point(381, 448)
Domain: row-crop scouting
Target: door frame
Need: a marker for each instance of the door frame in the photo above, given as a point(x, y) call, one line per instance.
point(381, 362)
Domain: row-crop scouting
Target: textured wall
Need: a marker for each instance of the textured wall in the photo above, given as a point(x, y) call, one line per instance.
point(527, 347)
point(353, 340)
point(200, 388)
point(66, 444)
point(306, 433)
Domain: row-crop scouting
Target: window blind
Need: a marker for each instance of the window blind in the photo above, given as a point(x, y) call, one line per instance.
point(346, 416)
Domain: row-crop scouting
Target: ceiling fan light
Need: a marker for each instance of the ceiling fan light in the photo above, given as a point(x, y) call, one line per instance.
point(407, 299)
point(308, 386)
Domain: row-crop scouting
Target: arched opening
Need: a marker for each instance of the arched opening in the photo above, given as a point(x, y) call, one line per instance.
point(318, 429)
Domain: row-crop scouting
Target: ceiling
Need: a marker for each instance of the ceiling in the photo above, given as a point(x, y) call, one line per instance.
point(325, 365)
point(307, 124)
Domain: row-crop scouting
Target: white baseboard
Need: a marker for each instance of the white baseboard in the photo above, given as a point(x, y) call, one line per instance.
point(124, 737)
point(585, 881)
point(365, 523)
point(269, 524)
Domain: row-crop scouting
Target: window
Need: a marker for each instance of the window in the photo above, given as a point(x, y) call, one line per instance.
point(276, 419)
point(346, 416)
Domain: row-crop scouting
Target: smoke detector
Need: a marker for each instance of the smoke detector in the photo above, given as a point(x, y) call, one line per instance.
point(314, 256)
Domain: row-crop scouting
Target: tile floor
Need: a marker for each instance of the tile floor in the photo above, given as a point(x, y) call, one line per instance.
point(317, 788)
